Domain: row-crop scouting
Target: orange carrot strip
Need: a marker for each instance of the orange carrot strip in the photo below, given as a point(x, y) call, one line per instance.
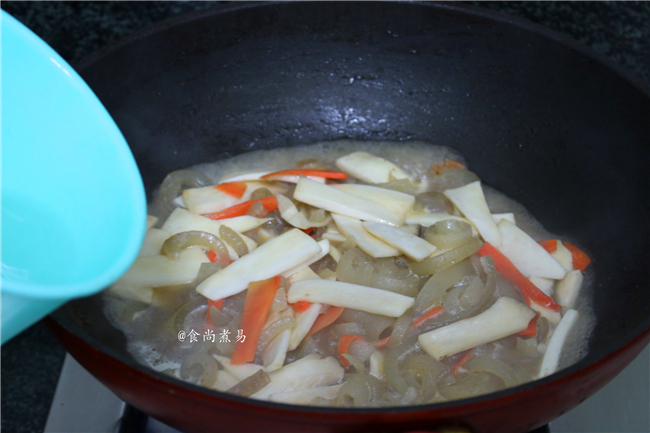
point(325, 319)
point(269, 203)
point(212, 256)
point(449, 163)
point(460, 362)
point(580, 259)
point(218, 304)
point(256, 307)
point(344, 346)
point(381, 343)
point(549, 245)
point(234, 189)
point(301, 306)
point(507, 269)
point(531, 331)
point(311, 231)
point(426, 316)
point(313, 173)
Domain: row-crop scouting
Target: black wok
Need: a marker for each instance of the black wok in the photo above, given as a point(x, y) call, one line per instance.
point(537, 116)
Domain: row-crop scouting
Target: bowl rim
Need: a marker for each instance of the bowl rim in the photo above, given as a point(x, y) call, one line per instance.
point(14, 32)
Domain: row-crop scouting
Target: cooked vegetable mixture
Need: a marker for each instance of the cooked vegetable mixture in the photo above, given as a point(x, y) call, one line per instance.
point(349, 274)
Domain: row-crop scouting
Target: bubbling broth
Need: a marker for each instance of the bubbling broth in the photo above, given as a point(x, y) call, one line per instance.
point(350, 274)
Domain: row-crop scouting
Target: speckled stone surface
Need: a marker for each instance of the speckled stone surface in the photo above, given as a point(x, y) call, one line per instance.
point(31, 362)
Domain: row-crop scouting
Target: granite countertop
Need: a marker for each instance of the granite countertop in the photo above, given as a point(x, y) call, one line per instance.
point(31, 362)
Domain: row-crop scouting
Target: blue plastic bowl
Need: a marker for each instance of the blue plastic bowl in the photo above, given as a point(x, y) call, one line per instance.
point(73, 201)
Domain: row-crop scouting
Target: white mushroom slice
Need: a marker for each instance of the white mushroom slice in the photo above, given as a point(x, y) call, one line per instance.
point(304, 322)
point(182, 220)
point(527, 255)
point(470, 200)
point(245, 177)
point(304, 396)
point(335, 253)
point(274, 187)
point(370, 168)
point(178, 201)
point(307, 372)
point(159, 271)
point(497, 217)
point(207, 199)
point(276, 350)
point(270, 259)
point(429, 219)
point(348, 295)
point(505, 317)
point(554, 349)
point(569, 288)
point(290, 213)
point(564, 256)
point(238, 371)
point(377, 364)
point(225, 381)
point(353, 228)
point(412, 246)
point(395, 200)
point(151, 221)
point(303, 274)
point(258, 176)
point(324, 250)
point(553, 317)
point(153, 241)
point(413, 229)
point(142, 294)
point(340, 202)
point(543, 284)
point(333, 234)
point(291, 178)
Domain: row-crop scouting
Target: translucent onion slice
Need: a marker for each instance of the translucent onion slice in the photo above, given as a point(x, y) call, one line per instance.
point(448, 234)
point(434, 290)
point(251, 384)
point(437, 263)
point(293, 216)
point(200, 368)
point(448, 178)
point(173, 246)
point(432, 201)
point(233, 239)
point(172, 186)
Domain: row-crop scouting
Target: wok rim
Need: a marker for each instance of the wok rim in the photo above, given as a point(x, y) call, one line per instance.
point(590, 361)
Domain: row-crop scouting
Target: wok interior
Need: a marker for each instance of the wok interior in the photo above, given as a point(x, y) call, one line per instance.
point(536, 119)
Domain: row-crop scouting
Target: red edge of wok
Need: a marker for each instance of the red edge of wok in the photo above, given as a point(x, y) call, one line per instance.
point(515, 410)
